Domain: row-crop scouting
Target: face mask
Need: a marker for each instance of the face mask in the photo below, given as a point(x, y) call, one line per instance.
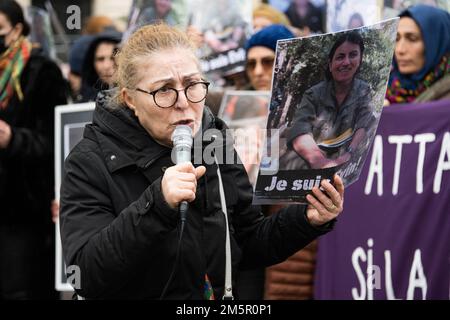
point(3, 46)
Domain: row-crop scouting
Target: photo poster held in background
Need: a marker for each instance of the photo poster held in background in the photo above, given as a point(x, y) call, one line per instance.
point(245, 113)
point(70, 121)
point(145, 12)
point(309, 138)
point(226, 25)
point(350, 14)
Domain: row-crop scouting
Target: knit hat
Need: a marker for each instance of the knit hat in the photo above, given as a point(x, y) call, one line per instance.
point(268, 37)
point(269, 12)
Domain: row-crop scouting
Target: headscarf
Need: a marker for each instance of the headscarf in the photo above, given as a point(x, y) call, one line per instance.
point(12, 63)
point(91, 83)
point(434, 24)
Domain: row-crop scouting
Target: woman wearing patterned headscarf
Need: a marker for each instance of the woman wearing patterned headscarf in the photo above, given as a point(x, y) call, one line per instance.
point(421, 68)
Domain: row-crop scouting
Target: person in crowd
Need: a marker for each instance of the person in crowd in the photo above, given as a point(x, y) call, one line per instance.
point(98, 65)
point(121, 219)
point(94, 26)
point(304, 15)
point(260, 49)
point(30, 87)
point(421, 67)
point(335, 108)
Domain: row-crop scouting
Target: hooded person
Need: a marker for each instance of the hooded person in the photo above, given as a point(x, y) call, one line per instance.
point(98, 64)
point(421, 67)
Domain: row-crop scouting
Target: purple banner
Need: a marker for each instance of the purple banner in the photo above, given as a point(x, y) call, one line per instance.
point(393, 239)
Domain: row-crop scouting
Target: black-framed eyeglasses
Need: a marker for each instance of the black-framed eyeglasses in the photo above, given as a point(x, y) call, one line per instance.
point(167, 97)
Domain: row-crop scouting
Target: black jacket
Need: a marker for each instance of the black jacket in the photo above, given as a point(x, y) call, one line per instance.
point(26, 166)
point(117, 227)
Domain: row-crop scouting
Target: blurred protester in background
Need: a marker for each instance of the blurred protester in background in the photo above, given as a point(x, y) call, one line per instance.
point(30, 87)
point(98, 65)
point(421, 67)
point(260, 50)
point(94, 26)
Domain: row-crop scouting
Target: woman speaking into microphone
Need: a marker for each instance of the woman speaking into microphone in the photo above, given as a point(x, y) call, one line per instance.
point(120, 196)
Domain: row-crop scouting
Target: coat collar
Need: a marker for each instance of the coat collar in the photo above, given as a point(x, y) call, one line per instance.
point(121, 138)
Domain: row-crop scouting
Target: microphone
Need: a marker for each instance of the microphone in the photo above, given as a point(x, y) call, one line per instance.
point(181, 153)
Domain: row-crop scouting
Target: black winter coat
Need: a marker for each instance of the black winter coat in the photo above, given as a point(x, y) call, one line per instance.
point(26, 166)
point(118, 229)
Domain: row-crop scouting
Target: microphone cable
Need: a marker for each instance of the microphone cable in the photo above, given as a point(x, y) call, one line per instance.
point(182, 209)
